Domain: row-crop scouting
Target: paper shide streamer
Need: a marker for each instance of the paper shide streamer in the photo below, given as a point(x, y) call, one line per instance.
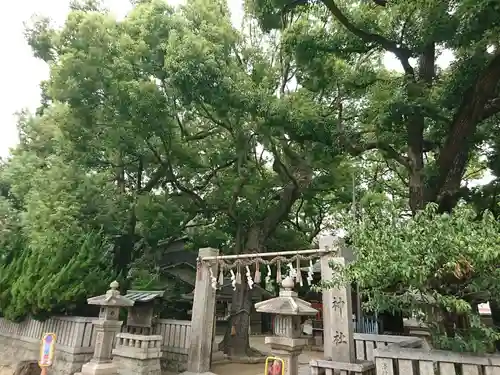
point(298, 278)
point(292, 272)
point(257, 273)
point(249, 277)
point(268, 275)
point(213, 279)
point(233, 279)
point(238, 276)
point(310, 273)
point(236, 268)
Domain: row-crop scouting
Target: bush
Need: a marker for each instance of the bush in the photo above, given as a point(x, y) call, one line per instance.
point(438, 266)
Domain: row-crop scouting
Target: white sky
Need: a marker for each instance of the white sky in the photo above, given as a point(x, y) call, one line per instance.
point(21, 73)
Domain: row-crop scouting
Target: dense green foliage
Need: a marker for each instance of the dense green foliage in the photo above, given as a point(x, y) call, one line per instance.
point(439, 266)
point(172, 123)
point(428, 122)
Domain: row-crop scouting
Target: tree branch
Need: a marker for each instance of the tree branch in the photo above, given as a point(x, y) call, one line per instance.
point(395, 170)
point(403, 53)
point(154, 180)
point(383, 147)
point(301, 177)
point(297, 219)
point(280, 168)
point(491, 109)
point(199, 201)
point(213, 172)
point(316, 225)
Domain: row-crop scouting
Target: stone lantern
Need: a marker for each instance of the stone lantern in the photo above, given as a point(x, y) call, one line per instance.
point(287, 343)
point(106, 327)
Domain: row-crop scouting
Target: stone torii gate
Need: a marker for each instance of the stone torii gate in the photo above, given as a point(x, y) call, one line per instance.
point(337, 304)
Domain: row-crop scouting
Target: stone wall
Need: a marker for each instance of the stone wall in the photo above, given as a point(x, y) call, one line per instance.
point(75, 342)
point(66, 361)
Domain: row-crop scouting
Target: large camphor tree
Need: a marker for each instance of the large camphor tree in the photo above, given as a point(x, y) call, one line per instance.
point(177, 114)
point(429, 120)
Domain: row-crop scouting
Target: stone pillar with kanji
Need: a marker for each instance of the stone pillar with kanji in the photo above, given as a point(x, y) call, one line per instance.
point(106, 328)
point(338, 327)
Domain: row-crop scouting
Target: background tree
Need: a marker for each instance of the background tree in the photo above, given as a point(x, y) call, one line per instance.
point(57, 231)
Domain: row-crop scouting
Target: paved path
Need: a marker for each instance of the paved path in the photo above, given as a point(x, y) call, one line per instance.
point(257, 342)
point(248, 369)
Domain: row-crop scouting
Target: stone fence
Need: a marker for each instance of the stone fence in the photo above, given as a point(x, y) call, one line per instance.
point(366, 345)
point(404, 355)
point(75, 341)
point(167, 343)
point(398, 360)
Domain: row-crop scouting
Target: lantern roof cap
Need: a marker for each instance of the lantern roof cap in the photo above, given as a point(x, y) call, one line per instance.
point(287, 303)
point(112, 298)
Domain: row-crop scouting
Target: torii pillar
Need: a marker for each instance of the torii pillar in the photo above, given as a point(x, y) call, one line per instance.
point(203, 317)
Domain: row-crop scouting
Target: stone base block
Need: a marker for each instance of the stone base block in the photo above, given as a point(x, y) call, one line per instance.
point(197, 373)
point(174, 362)
point(132, 366)
point(94, 368)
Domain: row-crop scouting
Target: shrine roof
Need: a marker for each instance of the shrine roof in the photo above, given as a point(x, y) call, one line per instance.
point(144, 295)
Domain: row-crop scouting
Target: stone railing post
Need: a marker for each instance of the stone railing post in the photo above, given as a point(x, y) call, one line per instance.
point(137, 354)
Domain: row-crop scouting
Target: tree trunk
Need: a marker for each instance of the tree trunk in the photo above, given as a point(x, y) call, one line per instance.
point(495, 317)
point(125, 247)
point(298, 174)
point(415, 129)
point(416, 182)
point(454, 154)
point(236, 341)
